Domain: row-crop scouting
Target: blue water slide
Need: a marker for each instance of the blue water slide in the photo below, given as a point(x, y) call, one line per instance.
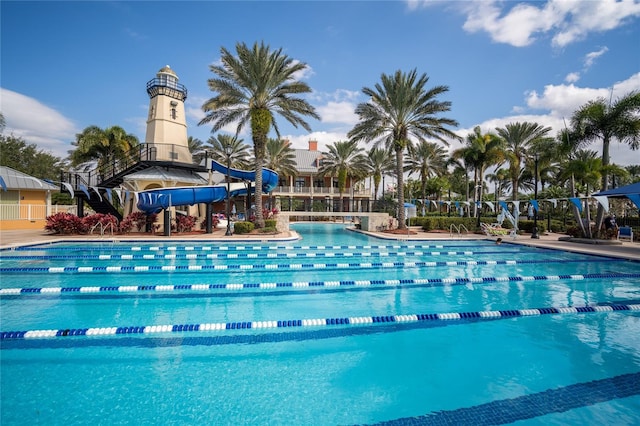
point(155, 200)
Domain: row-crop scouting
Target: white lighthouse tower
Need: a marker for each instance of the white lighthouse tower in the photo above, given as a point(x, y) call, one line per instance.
point(167, 124)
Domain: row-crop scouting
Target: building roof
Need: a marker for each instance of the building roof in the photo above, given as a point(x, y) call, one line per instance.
point(15, 180)
point(173, 175)
point(307, 161)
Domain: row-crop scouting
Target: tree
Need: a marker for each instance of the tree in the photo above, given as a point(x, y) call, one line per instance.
point(252, 88)
point(223, 143)
point(104, 146)
point(428, 159)
point(27, 158)
point(281, 158)
point(480, 151)
point(518, 138)
point(344, 160)
point(586, 168)
point(379, 163)
point(196, 148)
point(400, 108)
point(600, 120)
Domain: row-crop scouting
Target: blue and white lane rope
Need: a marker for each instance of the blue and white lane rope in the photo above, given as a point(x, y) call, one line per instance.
point(182, 256)
point(269, 267)
point(244, 247)
point(317, 322)
point(428, 282)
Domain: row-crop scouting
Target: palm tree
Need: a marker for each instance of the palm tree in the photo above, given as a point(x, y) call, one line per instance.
point(345, 160)
point(252, 88)
point(281, 158)
point(600, 120)
point(518, 138)
point(428, 159)
point(586, 168)
point(399, 108)
point(104, 146)
point(223, 143)
point(480, 151)
point(379, 163)
point(196, 148)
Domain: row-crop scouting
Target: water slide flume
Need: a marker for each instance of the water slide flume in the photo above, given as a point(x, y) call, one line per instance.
point(155, 200)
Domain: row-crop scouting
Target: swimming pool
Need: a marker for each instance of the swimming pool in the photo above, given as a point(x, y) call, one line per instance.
point(336, 328)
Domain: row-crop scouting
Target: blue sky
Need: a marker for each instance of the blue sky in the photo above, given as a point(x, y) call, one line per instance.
point(69, 65)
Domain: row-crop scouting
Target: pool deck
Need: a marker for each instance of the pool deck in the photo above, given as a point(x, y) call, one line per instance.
point(625, 250)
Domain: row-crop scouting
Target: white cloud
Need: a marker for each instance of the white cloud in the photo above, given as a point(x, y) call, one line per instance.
point(567, 21)
point(561, 102)
point(572, 77)
point(338, 112)
point(37, 123)
point(303, 74)
point(590, 57)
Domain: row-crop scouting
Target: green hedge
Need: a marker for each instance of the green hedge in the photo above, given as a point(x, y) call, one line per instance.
point(270, 223)
point(243, 227)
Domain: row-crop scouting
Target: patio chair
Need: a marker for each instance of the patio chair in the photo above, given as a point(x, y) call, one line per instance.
point(493, 230)
point(625, 233)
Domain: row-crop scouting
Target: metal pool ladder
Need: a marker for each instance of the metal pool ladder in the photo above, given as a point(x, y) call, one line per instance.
point(103, 228)
point(458, 229)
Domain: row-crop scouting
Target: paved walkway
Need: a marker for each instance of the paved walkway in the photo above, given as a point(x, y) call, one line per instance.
point(626, 250)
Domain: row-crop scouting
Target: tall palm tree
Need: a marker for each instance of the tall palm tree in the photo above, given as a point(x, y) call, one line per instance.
point(252, 88)
point(518, 138)
point(462, 161)
point(480, 151)
point(600, 120)
point(379, 163)
point(104, 146)
point(400, 108)
point(428, 159)
point(346, 161)
point(281, 158)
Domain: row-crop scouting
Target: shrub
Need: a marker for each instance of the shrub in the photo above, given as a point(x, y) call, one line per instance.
point(185, 223)
point(270, 223)
point(243, 227)
point(268, 230)
point(64, 223)
point(214, 222)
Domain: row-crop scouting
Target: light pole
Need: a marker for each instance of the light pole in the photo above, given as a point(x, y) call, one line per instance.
point(227, 151)
point(534, 233)
point(478, 203)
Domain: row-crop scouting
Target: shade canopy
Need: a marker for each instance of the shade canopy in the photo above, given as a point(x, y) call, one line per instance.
point(622, 191)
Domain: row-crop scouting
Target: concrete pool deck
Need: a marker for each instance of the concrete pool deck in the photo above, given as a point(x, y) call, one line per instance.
point(626, 250)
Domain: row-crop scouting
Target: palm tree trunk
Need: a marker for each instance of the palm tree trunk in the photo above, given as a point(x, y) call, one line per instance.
point(576, 212)
point(399, 172)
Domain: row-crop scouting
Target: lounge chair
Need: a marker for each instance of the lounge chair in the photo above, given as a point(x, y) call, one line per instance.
point(493, 230)
point(625, 233)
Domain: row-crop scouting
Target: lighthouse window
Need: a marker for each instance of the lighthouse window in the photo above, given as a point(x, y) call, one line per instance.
point(174, 113)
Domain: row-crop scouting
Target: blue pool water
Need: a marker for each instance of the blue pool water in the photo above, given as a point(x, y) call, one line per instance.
point(335, 328)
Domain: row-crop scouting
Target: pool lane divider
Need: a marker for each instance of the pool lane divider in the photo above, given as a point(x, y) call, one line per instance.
point(244, 247)
point(245, 255)
point(275, 266)
point(427, 282)
point(318, 322)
